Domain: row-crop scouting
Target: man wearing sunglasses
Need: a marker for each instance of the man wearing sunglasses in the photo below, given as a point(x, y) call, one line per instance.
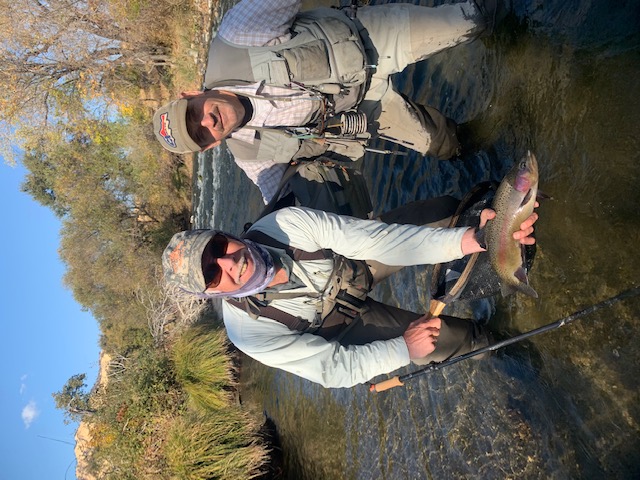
point(296, 288)
point(278, 81)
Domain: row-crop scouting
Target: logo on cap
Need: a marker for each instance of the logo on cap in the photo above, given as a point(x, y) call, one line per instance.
point(165, 130)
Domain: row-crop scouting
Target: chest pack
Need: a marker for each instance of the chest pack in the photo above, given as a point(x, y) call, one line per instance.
point(342, 301)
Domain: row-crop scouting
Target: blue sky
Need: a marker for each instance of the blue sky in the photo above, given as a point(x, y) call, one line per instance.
point(46, 338)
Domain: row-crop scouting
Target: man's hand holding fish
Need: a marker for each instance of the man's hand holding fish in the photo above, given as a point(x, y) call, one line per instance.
point(471, 245)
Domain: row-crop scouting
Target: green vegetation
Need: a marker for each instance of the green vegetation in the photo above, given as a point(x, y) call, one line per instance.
point(81, 82)
point(213, 445)
point(203, 367)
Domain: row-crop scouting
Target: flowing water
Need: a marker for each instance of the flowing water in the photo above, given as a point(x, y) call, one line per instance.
point(560, 78)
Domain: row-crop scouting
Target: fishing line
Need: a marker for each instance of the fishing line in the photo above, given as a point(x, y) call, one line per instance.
point(399, 380)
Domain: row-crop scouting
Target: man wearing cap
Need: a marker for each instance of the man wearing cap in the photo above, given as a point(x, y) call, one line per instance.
point(296, 291)
point(283, 85)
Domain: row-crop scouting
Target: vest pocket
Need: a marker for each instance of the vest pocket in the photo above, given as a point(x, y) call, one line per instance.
point(275, 72)
point(308, 62)
point(349, 60)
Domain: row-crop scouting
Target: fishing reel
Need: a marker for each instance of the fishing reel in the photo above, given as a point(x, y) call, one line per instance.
point(347, 124)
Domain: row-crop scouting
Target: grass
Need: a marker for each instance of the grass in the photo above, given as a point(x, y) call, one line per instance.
point(217, 444)
point(203, 367)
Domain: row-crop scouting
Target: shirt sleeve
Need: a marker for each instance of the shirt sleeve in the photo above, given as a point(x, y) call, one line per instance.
point(311, 356)
point(394, 245)
point(259, 22)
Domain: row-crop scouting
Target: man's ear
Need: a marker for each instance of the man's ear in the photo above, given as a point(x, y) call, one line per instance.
point(214, 144)
point(191, 93)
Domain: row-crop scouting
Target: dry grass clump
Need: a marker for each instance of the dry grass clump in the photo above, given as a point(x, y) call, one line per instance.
point(217, 445)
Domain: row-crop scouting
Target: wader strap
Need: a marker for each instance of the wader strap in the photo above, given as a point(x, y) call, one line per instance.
point(293, 252)
point(255, 308)
point(339, 302)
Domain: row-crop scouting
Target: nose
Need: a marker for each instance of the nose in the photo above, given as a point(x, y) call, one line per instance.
point(228, 263)
point(209, 121)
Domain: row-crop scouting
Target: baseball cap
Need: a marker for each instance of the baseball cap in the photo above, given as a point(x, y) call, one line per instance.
point(170, 127)
point(182, 259)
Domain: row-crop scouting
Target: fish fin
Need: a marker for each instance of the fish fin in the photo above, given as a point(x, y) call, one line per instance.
point(524, 286)
point(527, 290)
point(543, 196)
point(506, 290)
point(480, 237)
point(521, 275)
point(526, 198)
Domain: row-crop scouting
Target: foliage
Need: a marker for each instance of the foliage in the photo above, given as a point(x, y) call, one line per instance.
point(118, 208)
point(131, 418)
point(60, 54)
point(171, 312)
point(216, 445)
point(74, 399)
point(203, 366)
point(143, 427)
point(80, 82)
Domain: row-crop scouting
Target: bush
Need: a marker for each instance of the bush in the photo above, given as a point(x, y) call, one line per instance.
point(203, 367)
point(217, 445)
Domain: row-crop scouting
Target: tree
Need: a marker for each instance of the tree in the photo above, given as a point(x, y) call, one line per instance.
point(73, 399)
point(59, 56)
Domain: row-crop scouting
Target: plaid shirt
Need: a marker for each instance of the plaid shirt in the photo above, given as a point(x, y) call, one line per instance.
point(293, 109)
point(256, 23)
point(259, 23)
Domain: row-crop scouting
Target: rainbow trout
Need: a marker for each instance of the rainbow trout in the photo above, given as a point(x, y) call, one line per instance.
point(513, 203)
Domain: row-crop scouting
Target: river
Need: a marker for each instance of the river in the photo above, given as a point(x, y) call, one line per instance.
point(558, 77)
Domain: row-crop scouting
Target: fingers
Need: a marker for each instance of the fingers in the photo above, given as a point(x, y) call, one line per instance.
point(421, 336)
point(426, 322)
point(526, 229)
point(531, 219)
point(486, 215)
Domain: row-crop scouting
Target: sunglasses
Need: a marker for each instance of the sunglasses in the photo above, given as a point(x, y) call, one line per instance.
point(215, 249)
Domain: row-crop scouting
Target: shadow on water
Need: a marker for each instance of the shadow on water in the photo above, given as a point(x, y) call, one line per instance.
point(559, 78)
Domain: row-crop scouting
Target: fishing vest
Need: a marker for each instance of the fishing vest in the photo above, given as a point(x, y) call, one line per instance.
point(342, 301)
point(325, 53)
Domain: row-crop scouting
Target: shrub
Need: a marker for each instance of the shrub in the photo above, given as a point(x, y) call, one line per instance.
point(203, 367)
point(218, 445)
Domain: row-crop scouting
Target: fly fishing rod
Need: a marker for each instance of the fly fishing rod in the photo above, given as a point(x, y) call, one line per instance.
point(399, 380)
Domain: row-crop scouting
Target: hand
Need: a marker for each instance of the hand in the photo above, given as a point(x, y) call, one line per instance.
point(526, 227)
point(421, 336)
point(470, 244)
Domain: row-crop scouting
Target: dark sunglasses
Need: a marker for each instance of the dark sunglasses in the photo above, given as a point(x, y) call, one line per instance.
point(215, 249)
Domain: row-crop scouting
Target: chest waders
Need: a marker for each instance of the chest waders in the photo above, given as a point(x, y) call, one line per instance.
point(340, 304)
